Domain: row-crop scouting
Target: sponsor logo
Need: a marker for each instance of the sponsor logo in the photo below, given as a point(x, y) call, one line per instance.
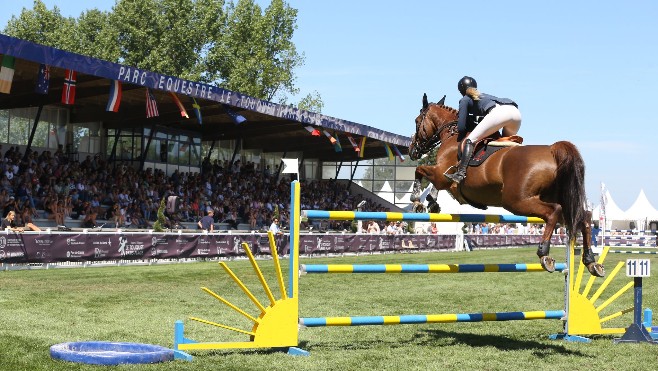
point(323, 245)
point(158, 240)
point(129, 249)
point(3, 242)
point(43, 241)
point(11, 254)
point(75, 254)
point(203, 251)
point(100, 253)
point(73, 242)
point(108, 242)
point(155, 251)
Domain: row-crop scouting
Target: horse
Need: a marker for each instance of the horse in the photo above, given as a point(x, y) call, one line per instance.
point(545, 181)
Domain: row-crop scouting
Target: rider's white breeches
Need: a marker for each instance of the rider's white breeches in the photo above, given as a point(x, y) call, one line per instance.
point(506, 117)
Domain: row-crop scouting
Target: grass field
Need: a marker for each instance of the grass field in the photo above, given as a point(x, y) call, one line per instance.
point(39, 308)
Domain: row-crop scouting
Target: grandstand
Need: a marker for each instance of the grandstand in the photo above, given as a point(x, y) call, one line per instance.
point(69, 158)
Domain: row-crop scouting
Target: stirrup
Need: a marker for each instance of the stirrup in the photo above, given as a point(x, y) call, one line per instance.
point(447, 175)
point(455, 177)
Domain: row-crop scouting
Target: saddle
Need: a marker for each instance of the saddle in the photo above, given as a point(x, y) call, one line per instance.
point(490, 145)
point(482, 150)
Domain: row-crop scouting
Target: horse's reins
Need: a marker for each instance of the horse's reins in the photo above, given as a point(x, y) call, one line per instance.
point(435, 139)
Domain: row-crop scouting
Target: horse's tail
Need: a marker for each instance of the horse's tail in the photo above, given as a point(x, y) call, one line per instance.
point(570, 183)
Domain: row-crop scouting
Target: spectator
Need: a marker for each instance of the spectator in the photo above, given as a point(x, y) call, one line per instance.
point(595, 235)
point(274, 227)
point(373, 227)
point(9, 223)
point(207, 223)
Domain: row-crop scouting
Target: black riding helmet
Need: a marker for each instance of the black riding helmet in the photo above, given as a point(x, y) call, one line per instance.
point(465, 83)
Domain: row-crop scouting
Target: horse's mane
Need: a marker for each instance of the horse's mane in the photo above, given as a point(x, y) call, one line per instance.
point(449, 109)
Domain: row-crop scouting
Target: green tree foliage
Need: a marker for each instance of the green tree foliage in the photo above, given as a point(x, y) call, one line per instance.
point(311, 102)
point(238, 46)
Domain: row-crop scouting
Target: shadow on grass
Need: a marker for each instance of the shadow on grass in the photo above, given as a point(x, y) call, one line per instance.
point(440, 338)
point(503, 343)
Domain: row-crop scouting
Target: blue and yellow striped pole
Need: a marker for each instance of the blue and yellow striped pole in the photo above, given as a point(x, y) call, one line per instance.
point(429, 318)
point(417, 217)
point(424, 268)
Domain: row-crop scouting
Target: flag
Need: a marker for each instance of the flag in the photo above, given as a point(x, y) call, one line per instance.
point(68, 92)
point(314, 132)
point(197, 111)
point(337, 146)
point(363, 147)
point(290, 165)
point(43, 79)
point(397, 153)
point(353, 142)
point(331, 138)
point(115, 96)
point(237, 118)
point(151, 105)
point(181, 108)
point(604, 200)
point(389, 153)
point(7, 73)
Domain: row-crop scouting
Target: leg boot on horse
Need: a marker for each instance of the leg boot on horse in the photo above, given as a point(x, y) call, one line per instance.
point(467, 153)
point(594, 268)
point(546, 261)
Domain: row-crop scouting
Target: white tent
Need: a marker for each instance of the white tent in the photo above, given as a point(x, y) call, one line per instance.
point(615, 218)
point(642, 211)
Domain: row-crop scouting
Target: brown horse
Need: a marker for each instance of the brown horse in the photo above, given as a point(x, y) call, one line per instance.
point(532, 180)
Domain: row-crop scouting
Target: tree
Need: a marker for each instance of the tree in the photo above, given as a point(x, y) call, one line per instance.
point(255, 55)
point(237, 46)
point(311, 102)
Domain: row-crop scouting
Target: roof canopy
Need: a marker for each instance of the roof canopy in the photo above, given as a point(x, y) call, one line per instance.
point(642, 208)
point(271, 127)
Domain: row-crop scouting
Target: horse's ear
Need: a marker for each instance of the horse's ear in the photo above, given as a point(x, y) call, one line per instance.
point(425, 103)
point(442, 101)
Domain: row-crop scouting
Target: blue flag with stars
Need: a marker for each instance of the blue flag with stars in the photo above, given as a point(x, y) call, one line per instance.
point(43, 80)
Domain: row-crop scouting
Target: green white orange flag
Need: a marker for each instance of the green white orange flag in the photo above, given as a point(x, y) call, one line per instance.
point(7, 73)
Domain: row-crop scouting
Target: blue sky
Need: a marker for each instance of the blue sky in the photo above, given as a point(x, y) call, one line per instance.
point(582, 71)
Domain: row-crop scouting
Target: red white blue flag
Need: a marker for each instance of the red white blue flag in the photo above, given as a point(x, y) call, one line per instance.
point(68, 93)
point(151, 105)
point(43, 79)
point(115, 96)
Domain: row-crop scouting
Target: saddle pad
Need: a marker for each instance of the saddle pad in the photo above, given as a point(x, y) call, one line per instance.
point(482, 153)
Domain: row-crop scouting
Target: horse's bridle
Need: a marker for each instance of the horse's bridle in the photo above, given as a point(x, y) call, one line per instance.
point(435, 139)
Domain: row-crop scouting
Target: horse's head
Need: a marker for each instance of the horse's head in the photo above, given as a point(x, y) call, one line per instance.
point(431, 123)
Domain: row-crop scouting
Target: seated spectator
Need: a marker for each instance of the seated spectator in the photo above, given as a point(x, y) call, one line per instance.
point(9, 223)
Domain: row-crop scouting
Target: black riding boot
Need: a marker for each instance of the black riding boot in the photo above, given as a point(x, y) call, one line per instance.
point(467, 153)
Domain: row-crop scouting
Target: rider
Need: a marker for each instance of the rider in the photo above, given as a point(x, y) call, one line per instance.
point(495, 113)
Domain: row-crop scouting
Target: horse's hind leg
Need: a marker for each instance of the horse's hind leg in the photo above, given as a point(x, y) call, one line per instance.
point(588, 259)
point(551, 213)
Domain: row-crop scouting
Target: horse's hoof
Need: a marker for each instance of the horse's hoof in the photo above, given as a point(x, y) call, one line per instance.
point(596, 269)
point(418, 208)
point(548, 264)
point(434, 208)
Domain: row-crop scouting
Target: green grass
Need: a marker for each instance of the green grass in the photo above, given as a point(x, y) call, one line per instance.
point(39, 308)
